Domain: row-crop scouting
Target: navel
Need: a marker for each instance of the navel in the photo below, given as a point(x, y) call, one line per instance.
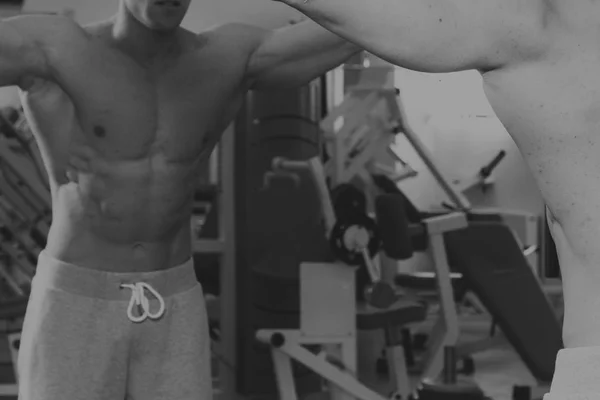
point(139, 251)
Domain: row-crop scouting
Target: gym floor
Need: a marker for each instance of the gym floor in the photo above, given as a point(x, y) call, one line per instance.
point(497, 369)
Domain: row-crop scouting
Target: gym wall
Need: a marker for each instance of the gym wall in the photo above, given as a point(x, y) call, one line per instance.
point(454, 119)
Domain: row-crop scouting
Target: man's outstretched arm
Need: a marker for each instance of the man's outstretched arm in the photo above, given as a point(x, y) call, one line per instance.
point(435, 35)
point(294, 55)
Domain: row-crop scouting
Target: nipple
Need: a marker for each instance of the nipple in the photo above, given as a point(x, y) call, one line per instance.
point(99, 131)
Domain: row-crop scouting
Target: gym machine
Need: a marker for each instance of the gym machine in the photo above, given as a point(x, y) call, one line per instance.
point(514, 298)
point(436, 363)
point(235, 235)
point(268, 125)
point(11, 315)
point(271, 125)
point(356, 132)
point(385, 118)
point(329, 324)
point(25, 217)
point(354, 241)
point(490, 258)
point(523, 228)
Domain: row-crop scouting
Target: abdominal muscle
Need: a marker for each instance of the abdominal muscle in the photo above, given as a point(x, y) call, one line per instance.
point(132, 216)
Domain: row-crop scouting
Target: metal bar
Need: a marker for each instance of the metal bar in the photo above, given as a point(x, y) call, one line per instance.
point(227, 345)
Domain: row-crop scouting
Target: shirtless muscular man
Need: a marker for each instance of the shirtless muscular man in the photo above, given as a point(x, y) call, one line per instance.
point(126, 113)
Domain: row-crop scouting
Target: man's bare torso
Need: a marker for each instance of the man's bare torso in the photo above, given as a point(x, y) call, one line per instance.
point(124, 141)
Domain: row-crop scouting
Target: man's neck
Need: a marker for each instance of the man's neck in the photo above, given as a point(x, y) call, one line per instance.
point(141, 42)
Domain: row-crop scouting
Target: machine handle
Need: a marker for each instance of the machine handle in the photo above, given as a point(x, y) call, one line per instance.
point(285, 167)
point(486, 171)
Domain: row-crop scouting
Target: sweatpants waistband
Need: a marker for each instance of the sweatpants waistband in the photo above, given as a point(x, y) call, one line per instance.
point(57, 274)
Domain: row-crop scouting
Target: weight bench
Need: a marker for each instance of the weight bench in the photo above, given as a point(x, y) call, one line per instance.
point(491, 260)
point(488, 260)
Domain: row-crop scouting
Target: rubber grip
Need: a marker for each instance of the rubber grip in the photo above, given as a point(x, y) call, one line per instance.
point(393, 226)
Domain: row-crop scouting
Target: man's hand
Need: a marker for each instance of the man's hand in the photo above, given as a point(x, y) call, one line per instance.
point(295, 55)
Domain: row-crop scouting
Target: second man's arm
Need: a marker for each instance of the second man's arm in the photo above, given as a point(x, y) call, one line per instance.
point(294, 55)
point(436, 35)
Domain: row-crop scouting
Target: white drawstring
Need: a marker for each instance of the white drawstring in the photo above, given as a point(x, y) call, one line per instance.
point(138, 298)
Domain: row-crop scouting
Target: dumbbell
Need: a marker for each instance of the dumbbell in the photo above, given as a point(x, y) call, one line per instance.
point(355, 241)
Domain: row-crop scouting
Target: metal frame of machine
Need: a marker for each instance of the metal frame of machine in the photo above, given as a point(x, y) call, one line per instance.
point(337, 363)
point(222, 174)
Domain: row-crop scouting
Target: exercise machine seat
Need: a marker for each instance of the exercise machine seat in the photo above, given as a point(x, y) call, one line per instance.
point(402, 312)
point(492, 263)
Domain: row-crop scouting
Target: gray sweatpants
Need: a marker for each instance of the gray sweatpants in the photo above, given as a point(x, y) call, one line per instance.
point(111, 336)
point(577, 375)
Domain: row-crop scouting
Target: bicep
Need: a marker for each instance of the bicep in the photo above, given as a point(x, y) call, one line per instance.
point(21, 54)
point(456, 35)
point(243, 41)
point(432, 35)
